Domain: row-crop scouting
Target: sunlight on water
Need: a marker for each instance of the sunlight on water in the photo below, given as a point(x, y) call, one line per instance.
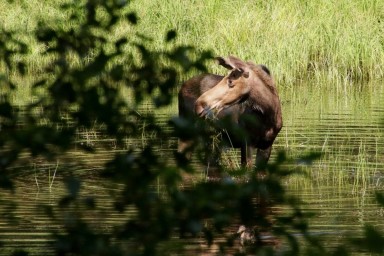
point(346, 126)
point(348, 129)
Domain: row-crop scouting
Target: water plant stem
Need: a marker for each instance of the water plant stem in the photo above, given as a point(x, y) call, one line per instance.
point(53, 177)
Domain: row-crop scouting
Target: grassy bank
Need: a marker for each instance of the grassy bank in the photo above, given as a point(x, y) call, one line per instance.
point(297, 39)
point(328, 41)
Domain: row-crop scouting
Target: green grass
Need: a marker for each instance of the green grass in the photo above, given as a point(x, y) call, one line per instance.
point(339, 41)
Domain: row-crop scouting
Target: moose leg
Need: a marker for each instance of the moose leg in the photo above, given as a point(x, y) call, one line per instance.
point(262, 156)
point(185, 147)
point(246, 156)
point(213, 156)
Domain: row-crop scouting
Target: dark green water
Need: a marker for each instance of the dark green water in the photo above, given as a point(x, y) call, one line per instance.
point(346, 125)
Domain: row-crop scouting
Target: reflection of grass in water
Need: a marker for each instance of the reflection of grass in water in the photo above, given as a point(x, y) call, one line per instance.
point(360, 172)
point(341, 167)
point(51, 173)
point(358, 168)
point(344, 126)
point(89, 136)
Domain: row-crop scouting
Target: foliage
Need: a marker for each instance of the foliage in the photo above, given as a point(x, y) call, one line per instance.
point(83, 82)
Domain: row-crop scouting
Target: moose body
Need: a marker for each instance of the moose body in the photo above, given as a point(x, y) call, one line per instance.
point(247, 95)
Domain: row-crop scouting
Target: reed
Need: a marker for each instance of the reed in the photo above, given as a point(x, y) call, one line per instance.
point(338, 41)
point(297, 39)
point(51, 179)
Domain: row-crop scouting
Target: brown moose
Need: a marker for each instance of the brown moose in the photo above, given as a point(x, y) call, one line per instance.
point(247, 95)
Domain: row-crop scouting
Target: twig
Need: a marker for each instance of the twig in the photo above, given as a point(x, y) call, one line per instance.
point(37, 183)
point(54, 175)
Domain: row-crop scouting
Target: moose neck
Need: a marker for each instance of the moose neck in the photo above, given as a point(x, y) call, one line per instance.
point(265, 102)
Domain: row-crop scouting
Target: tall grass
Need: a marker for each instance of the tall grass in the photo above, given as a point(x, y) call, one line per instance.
point(338, 41)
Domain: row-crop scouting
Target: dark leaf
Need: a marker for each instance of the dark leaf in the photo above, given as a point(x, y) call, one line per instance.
point(171, 35)
point(380, 198)
point(39, 83)
point(132, 18)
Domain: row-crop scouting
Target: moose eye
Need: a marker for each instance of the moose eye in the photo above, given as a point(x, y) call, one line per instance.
point(230, 83)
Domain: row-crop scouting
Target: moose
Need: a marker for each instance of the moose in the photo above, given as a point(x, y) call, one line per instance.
point(247, 95)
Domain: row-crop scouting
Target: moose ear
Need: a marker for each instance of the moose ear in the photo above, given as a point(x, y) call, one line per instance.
point(236, 73)
point(225, 63)
point(232, 63)
point(239, 72)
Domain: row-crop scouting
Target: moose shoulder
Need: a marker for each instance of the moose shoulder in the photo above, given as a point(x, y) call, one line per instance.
point(247, 94)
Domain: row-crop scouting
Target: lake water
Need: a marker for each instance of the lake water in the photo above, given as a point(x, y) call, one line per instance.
point(345, 124)
point(347, 127)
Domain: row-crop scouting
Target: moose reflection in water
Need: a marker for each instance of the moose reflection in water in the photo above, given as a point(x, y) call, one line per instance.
point(247, 96)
